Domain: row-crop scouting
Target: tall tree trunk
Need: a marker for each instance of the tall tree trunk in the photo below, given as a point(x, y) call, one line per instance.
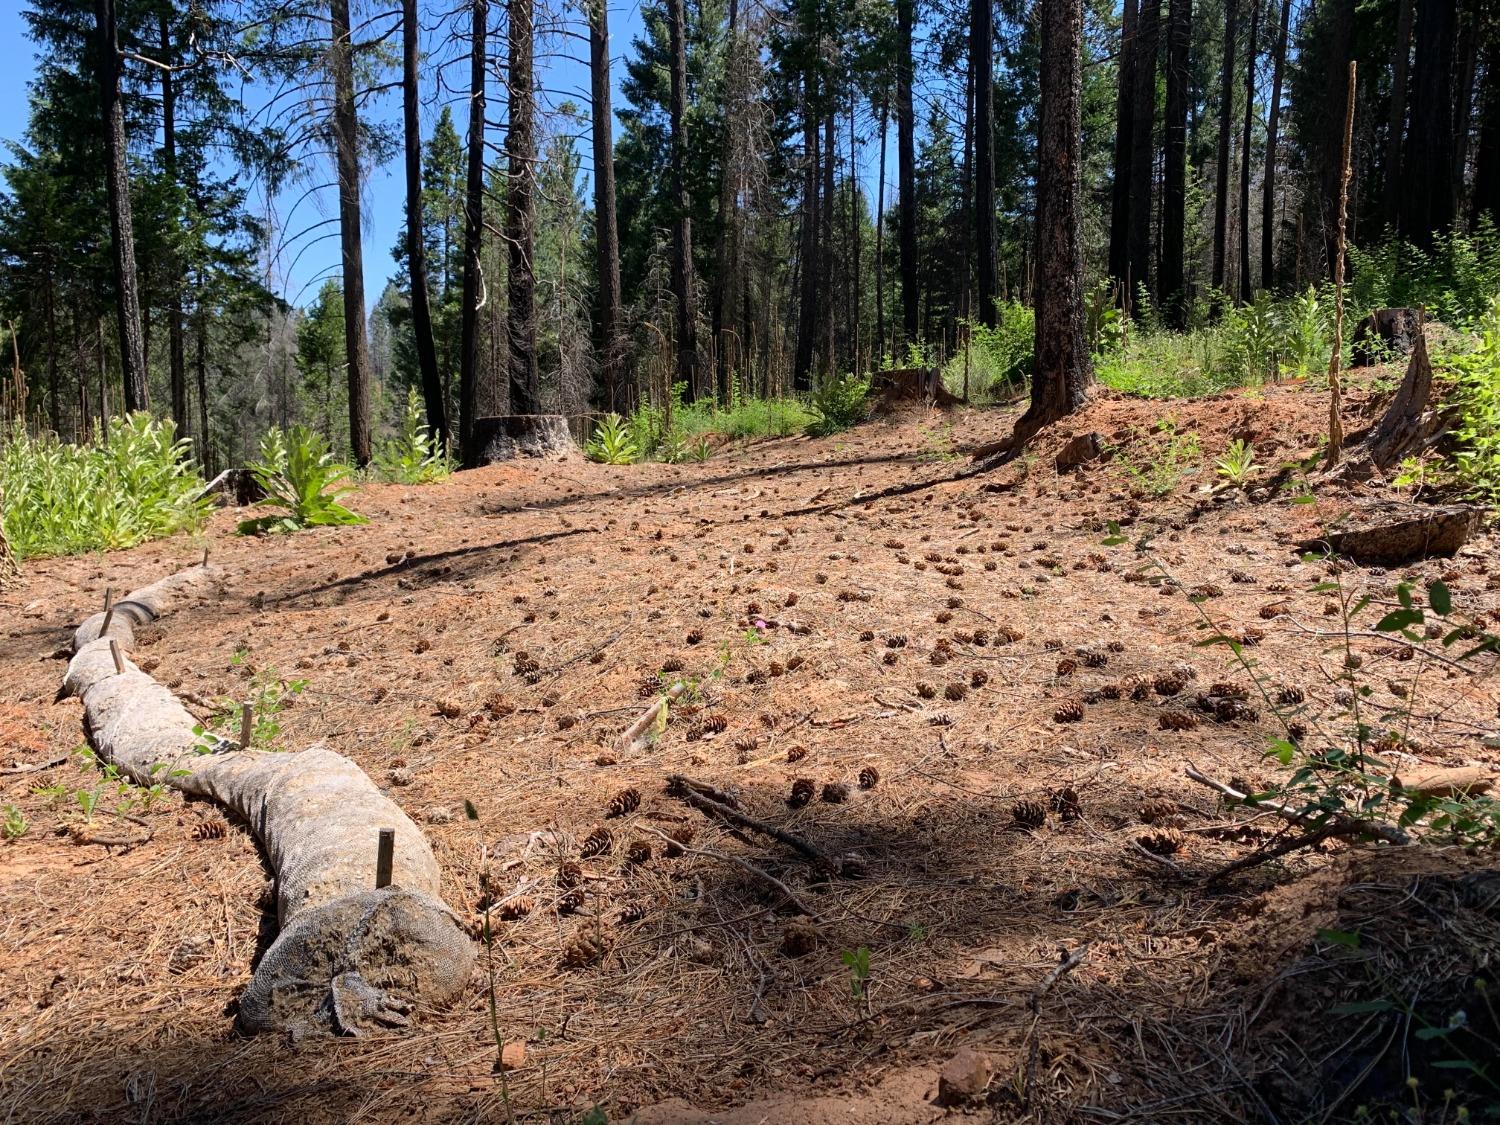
point(200, 351)
point(1463, 101)
point(1273, 118)
point(1226, 124)
point(825, 259)
point(176, 363)
point(470, 366)
point(1427, 172)
point(1486, 198)
point(1063, 368)
point(1339, 19)
point(1247, 286)
point(683, 282)
point(855, 302)
point(1170, 272)
point(121, 230)
point(981, 50)
point(346, 140)
point(1396, 126)
point(906, 173)
point(1119, 211)
point(1142, 138)
point(725, 303)
point(880, 242)
point(606, 230)
point(808, 255)
point(520, 216)
point(416, 242)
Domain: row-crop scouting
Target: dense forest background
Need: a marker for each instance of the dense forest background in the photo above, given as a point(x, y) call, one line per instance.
point(779, 193)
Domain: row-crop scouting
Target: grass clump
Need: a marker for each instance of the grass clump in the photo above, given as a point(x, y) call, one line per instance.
point(1000, 358)
point(302, 481)
point(133, 484)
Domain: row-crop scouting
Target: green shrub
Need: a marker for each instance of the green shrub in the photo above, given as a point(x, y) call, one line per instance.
point(63, 499)
point(837, 404)
point(302, 480)
point(1454, 280)
point(1000, 358)
point(414, 455)
point(612, 443)
point(1477, 396)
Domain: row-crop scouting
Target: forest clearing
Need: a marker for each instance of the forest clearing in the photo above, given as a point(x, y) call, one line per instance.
point(994, 708)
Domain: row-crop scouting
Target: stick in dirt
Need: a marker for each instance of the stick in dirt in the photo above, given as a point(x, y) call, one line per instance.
point(693, 793)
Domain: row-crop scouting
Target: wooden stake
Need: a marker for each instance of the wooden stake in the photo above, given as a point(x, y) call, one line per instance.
point(247, 725)
point(1335, 361)
point(114, 651)
point(109, 610)
point(205, 556)
point(385, 857)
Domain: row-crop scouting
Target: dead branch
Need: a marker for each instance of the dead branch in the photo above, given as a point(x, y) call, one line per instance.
point(634, 737)
point(1068, 960)
point(694, 794)
point(1286, 847)
point(35, 767)
point(770, 880)
point(1350, 825)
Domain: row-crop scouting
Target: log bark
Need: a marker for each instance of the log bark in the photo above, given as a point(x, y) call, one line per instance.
point(509, 436)
point(349, 958)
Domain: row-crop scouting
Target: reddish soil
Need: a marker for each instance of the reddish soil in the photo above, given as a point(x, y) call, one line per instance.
point(924, 639)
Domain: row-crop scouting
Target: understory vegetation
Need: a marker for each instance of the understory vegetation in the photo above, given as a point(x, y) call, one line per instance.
point(128, 484)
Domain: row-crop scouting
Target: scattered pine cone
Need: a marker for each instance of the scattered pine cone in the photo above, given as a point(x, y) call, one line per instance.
point(978, 678)
point(1290, 695)
point(802, 793)
point(926, 690)
point(671, 664)
point(896, 640)
point(716, 724)
point(1110, 691)
point(694, 636)
point(570, 874)
point(956, 691)
point(515, 909)
point(570, 901)
point(835, 793)
point(1069, 712)
point(638, 854)
point(1140, 689)
point(1296, 731)
point(211, 827)
point(1228, 710)
point(597, 842)
point(646, 687)
point(938, 657)
point(1176, 720)
point(745, 747)
point(1168, 683)
point(869, 777)
point(625, 802)
point(796, 753)
point(1029, 814)
point(1064, 802)
point(1162, 841)
point(799, 938)
point(867, 634)
point(888, 658)
point(1229, 691)
point(795, 662)
point(943, 617)
point(1094, 658)
point(586, 948)
point(1067, 666)
point(680, 837)
point(1159, 810)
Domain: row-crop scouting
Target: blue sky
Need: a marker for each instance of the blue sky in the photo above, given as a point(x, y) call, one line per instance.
point(563, 70)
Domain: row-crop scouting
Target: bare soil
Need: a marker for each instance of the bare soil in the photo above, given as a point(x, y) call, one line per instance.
point(486, 639)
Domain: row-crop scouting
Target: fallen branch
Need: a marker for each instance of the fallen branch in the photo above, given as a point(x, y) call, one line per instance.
point(694, 794)
point(770, 880)
point(1286, 847)
point(636, 735)
point(1068, 960)
point(35, 767)
point(1349, 825)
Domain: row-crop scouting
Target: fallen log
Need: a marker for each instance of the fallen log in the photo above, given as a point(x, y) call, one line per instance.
point(352, 956)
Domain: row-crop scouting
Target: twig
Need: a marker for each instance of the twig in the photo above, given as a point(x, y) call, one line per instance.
point(770, 880)
point(1305, 840)
point(690, 791)
point(1161, 860)
point(1067, 962)
point(36, 767)
point(1351, 825)
point(630, 739)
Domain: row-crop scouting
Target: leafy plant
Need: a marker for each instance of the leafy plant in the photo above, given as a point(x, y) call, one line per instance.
point(136, 484)
point(1173, 456)
point(858, 963)
point(270, 696)
point(414, 455)
point(1237, 463)
point(612, 443)
point(1477, 396)
point(837, 404)
point(16, 824)
point(302, 480)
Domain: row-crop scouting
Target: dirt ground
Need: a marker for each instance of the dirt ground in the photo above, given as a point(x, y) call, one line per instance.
point(486, 639)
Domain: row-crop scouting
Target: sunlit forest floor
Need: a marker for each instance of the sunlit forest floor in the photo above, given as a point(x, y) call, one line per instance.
point(486, 639)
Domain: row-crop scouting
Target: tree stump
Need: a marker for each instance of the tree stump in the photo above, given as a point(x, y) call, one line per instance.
point(508, 436)
point(1386, 333)
point(911, 384)
point(235, 488)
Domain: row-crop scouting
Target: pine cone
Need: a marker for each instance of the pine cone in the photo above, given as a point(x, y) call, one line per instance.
point(802, 793)
point(716, 724)
point(681, 837)
point(1140, 689)
point(1168, 683)
point(638, 854)
point(1110, 691)
point(586, 948)
point(647, 687)
point(1067, 666)
point(869, 777)
point(625, 802)
point(1176, 720)
point(671, 664)
point(1069, 712)
point(978, 678)
point(1162, 841)
point(956, 691)
point(799, 938)
point(896, 640)
point(926, 690)
point(1290, 695)
point(795, 662)
point(570, 875)
point(1228, 710)
point(1228, 691)
point(570, 901)
point(597, 842)
point(745, 747)
point(211, 827)
point(515, 909)
point(1029, 814)
point(1093, 658)
point(1064, 802)
point(1296, 731)
point(1160, 810)
point(796, 753)
point(694, 636)
point(835, 793)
